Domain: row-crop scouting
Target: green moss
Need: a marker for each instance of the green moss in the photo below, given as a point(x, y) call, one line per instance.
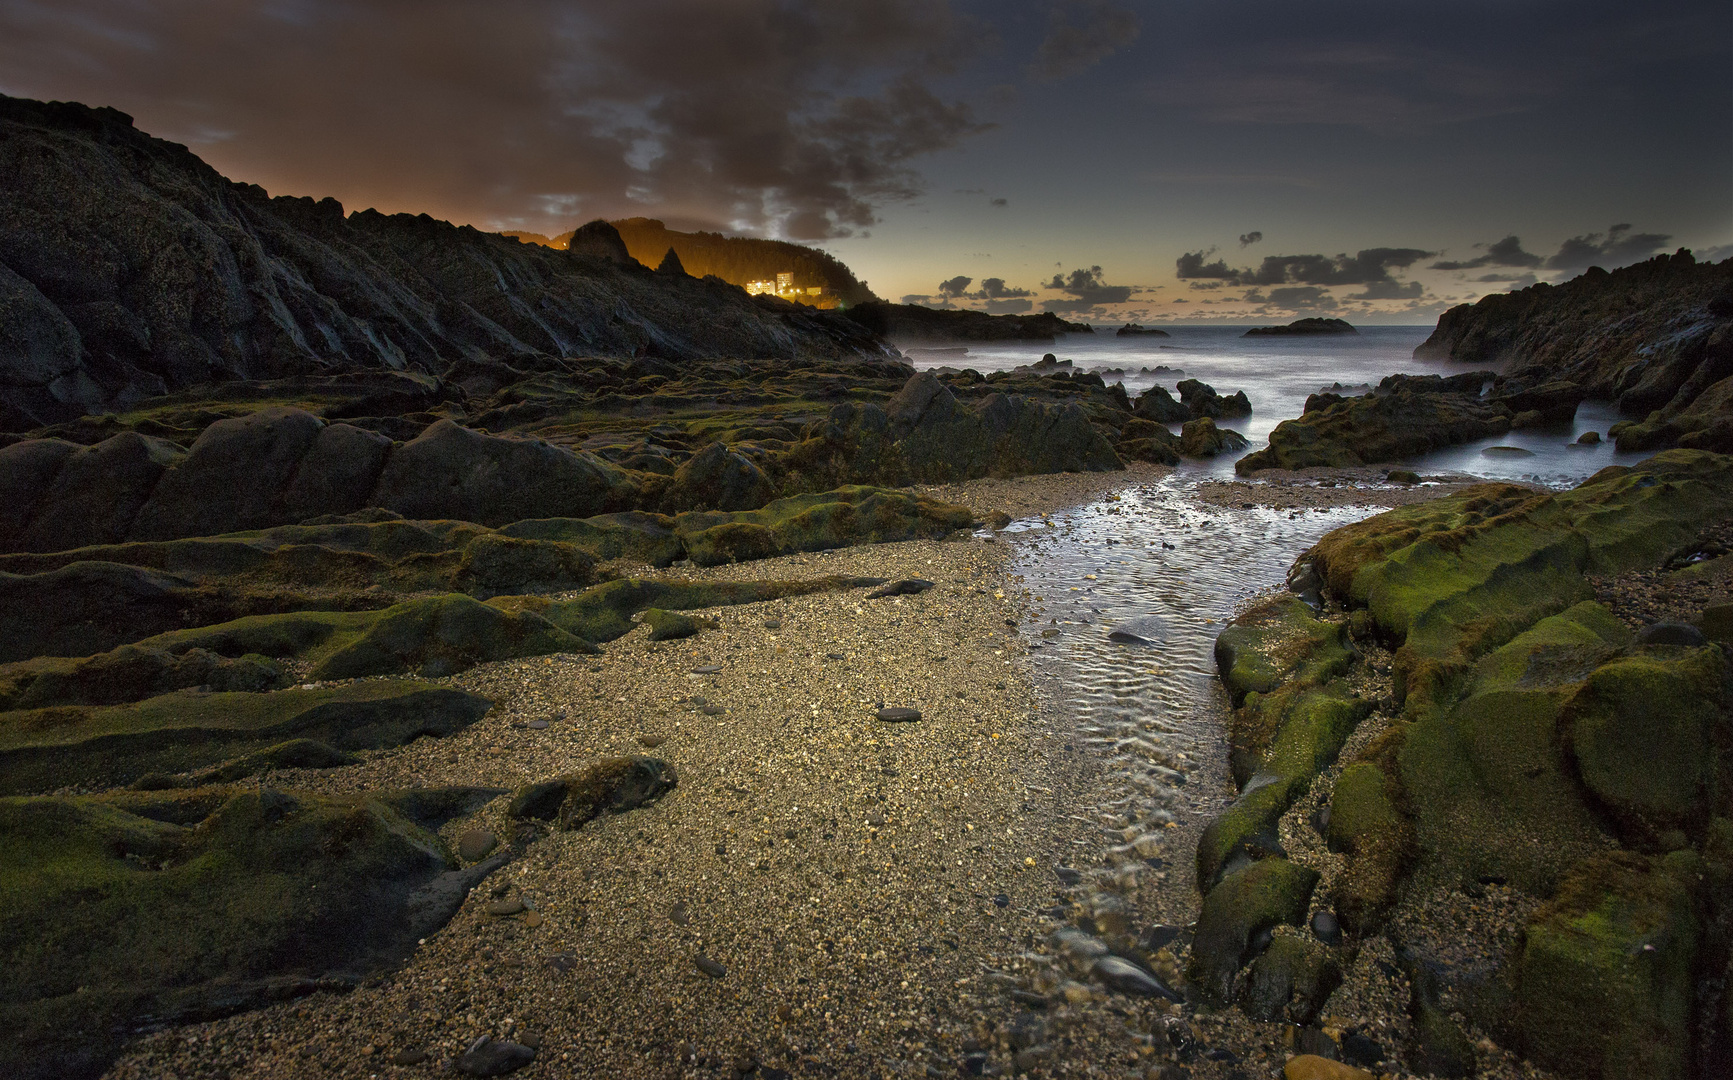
point(668, 625)
point(442, 635)
point(1311, 728)
point(848, 515)
point(1605, 981)
point(1290, 981)
point(293, 754)
point(107, 917)
point(1264, 895)
point(1278, 642)
point(605, 612)
point(45, 749)
point(636, 535)
point(1641, 731)
point(1366, 823)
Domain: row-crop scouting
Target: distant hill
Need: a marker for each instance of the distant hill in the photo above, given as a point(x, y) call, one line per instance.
point(735, 259)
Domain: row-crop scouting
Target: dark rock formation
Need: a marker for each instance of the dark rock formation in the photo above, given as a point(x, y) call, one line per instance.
point(1406, 415)
point(129, 268)
point(1303, 328)
point(1656, 337)
point(670, 264)
point(1200, 400)
point(1134, 330)
point(914, 323)
point(1158, 405)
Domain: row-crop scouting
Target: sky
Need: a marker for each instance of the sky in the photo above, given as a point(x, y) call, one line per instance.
point(1110, 160)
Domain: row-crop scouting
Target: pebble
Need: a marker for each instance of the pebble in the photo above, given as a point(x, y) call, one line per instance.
point(410, 1057)
point(708, 669)
point(773, 624)
point(503, 908)
point(494, 1057)
point(709, 966)
point(1313, 1067)
point(835, 656)
point(473, 844)
point(1127, 978)
point(1327, 927)
point(680, 915)
point(899, 715)
point(650, 742)
point(537, 725)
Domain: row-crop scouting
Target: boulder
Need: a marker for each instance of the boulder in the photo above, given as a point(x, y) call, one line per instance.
point(27, 471)
point(450, 471)
point(1235, 913)
point(609, 786)
point(718, 478)
point(98, 492)
point(1157, 405)
point(1406, 416)
point(335, 476)
point(1201, 400)
point(1201, 438)
point(443, 635)
point(233, 478)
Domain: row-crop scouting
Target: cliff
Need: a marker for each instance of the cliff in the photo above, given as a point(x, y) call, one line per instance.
point(130, 269)
point(1656, 337)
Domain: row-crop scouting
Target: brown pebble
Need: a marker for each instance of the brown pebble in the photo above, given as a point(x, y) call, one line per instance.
point(650, 742)
point(505, 907)
point(1313, 1067)
point(475, 843)
point(533, 918)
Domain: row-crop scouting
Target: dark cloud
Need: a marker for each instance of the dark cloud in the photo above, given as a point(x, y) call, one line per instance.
point(1295, 298)
point(1080, 34)
point(1248, 239)
point(995, 288)
point(1369, 267)
point(1526, 279)
point(955, 287)
point(1192, 265)
point(1008, 307)
point(791, 117)
point(1506, 252)
point(1089, 289)
point(1617, 247)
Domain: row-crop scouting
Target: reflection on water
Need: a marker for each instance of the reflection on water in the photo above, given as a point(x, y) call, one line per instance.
point(1278, 374)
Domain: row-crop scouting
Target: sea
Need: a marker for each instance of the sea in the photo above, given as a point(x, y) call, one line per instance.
point(1156, 560)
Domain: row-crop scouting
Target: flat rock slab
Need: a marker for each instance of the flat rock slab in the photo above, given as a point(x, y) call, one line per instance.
point(905, 587)
point(494, 1057)
point(898, 715)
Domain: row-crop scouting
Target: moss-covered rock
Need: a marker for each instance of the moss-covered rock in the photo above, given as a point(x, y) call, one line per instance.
point(1202, 438)
point(1605, 979)
point(633, 534)
point(131, 673)
point(47, 749)
point(669, 625)
point(442, 635)
point(1276, 642)
point(1367, 825)
point(1642, 733)
point(1264, 895)
point(608, 786)
point(605, 612)
point(818, 522)
point(1310, 726)
point(293, 754)
point(1290, 980)
point(1404, 417)
point(110, 920)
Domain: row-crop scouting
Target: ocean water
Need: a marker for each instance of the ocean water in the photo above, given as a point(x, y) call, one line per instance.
point(1156, 560)
point(1278, 373)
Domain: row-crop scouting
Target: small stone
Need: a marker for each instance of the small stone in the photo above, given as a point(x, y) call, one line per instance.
point(1159, 936)
point(503, 908)
point(537, 725)
point(1066, 875)
point(773, 624)
point(1127, 978)
point(710, 967)
point(494, 1057)
point(1001, 900)
point(712, 710)
point(650, 742)
point(474, 844)
point(1589, 438)
point(1313, 1067)
point(1030, 998)
point(898, 715)
point(680, 915)
point(532, 918)
point(708, 669)
point(1507, 451)
point(835, 656)
point(1402, 476)
point(414, 1056)
point(1357, 1049)
point(1327, 927)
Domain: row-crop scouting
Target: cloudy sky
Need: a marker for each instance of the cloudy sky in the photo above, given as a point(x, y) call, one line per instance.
point(1184, 160)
